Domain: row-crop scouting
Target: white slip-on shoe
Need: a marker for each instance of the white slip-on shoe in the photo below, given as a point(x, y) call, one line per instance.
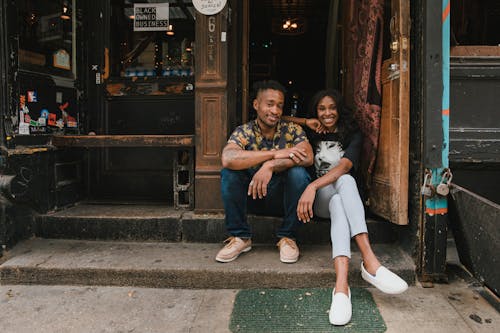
point(384, 280)
point(341, 308)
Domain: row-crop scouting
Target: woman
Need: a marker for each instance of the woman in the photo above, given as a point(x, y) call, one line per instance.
point(337, 142)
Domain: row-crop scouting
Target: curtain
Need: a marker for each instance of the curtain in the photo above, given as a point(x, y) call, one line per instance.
point(365, 32)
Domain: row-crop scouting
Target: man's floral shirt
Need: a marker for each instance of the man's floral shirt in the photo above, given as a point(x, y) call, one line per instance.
point(249, 136)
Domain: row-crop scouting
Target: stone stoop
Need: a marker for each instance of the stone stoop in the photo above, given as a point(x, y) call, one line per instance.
point(161, 223)
point(181, 265)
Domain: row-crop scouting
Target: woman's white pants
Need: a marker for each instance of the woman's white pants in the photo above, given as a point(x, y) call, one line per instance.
point(341, 203)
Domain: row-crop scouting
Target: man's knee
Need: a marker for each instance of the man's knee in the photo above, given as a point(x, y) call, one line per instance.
point(298, 174)
point(230, 180)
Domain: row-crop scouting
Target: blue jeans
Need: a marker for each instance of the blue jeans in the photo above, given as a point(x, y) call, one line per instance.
point(283, 193)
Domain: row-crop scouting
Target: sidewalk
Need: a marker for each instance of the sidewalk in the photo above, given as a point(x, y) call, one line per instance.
point(181, 302)
point(455, 307)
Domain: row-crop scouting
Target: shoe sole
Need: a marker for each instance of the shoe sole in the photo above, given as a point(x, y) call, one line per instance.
point(289, 261)
point(340, 323)
point(233, 258)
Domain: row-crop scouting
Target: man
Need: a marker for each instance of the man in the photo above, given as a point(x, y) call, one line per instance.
point(264, 173)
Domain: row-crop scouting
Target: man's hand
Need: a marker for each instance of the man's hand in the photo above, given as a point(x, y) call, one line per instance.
point(296, 154)
point(258, 185)
point(305, 204)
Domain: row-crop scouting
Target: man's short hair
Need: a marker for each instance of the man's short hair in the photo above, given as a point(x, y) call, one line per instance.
point(267, 84)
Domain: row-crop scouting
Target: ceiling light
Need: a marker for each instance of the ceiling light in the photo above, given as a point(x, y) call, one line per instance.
point(66, 13)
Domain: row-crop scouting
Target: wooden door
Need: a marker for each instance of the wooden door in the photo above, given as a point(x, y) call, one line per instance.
point(389, 191)
point(142, 85)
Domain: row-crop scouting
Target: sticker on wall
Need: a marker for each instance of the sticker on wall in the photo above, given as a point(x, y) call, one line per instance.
point(52, 119)
point(38, 129)
point(59, 97)
point(60, 123)
point(63, 107)
point(24, 129)
point(32, 96)
point(42, 121)
point(22, 101)
point(22, 113)
point(209, 7)
point(44, 113)
point(71, 122)
point(62, 59)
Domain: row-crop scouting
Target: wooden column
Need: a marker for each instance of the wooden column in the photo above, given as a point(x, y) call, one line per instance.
point(211, 111)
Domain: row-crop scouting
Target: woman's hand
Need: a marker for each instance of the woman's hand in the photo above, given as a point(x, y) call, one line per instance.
point(315, 125)
point(305, 205)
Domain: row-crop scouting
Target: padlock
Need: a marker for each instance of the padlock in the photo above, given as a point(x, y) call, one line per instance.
point(427, 189)
point(443, 188)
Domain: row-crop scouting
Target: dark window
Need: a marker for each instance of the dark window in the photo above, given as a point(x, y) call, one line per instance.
point(45, 36)
point(160, 54)
point(475, 22)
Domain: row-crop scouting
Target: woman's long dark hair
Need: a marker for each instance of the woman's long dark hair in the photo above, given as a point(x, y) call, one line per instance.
point(346, 123)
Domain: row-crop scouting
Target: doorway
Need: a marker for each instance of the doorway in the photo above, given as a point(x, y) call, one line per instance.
point(287, 43)
point(141, 90)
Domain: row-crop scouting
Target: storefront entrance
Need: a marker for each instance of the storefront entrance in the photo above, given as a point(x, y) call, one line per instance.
point(142, 84)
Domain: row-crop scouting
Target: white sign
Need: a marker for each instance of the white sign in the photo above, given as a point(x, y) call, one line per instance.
point(62, 59)
point(209, 7)
point(151, 16)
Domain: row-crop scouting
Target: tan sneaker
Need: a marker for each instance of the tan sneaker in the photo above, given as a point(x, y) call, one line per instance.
point(234, 247)
point(289, 251)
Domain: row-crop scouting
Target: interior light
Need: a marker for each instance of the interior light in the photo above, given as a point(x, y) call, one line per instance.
point(66, 13)
point(290, 24)
point(170, 30)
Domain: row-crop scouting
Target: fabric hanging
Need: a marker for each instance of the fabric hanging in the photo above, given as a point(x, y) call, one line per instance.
point(366, 34)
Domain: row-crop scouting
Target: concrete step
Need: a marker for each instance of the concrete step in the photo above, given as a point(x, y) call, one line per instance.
point(181, 265)
point(163, 223)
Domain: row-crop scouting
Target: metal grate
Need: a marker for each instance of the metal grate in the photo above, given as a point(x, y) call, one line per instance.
point(183, 168)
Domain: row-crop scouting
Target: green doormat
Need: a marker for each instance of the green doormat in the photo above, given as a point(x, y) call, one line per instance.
point(301, 310)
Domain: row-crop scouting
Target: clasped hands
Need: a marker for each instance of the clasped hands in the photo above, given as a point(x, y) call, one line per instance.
point(297, 155)
point(257, 188)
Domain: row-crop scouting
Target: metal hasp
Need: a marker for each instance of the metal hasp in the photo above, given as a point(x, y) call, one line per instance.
point(436, 137)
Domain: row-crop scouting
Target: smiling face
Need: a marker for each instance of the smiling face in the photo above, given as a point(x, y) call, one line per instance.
point(269, 107)
point(327, 113)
